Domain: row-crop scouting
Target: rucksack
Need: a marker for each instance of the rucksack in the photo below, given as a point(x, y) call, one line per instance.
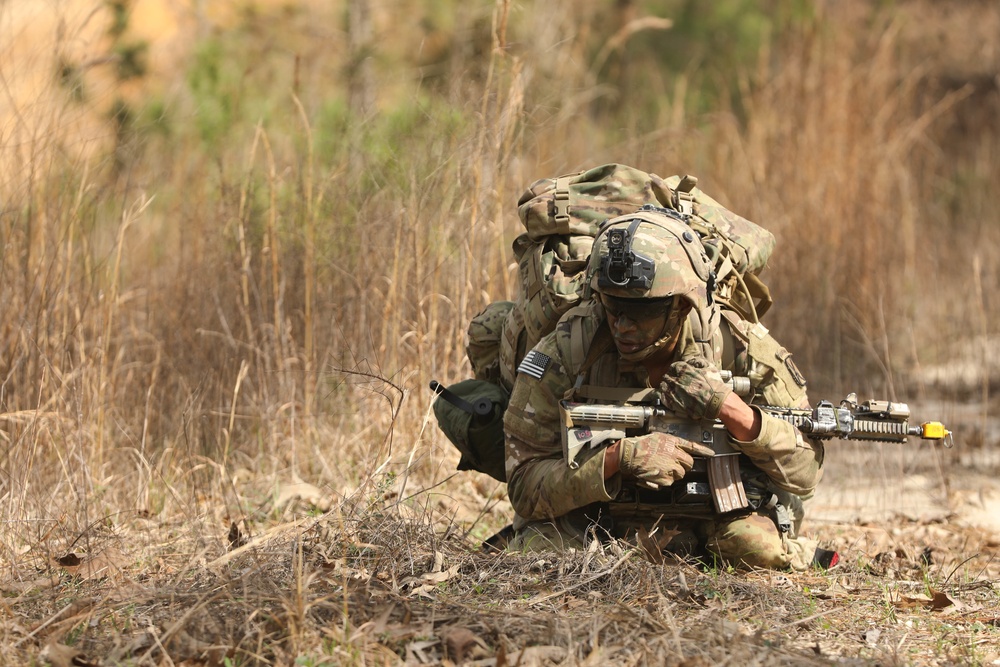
point(561, 216)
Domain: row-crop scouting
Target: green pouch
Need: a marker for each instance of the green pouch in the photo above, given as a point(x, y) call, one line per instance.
point(470, 413)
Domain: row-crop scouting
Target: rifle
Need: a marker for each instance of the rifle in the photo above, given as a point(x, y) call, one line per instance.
point(591, 425)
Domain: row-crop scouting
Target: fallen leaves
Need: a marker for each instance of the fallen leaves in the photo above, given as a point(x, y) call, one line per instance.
point(107, 563)
point(178, 645)
point(304, 492)
point(836, 591)
point(236, 537)
point(394, 591)
point(936, 601)
point(426, 584)
point(534, 656)
point(23, 586)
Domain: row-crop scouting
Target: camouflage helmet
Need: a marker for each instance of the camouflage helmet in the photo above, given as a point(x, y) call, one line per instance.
point(651, 254)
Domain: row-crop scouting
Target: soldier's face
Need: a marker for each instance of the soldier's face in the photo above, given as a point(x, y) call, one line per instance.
point(636, 324)
point(633, 336)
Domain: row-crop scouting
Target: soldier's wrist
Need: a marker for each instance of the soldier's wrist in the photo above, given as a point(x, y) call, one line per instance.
point(715, 407)
point(612, 460)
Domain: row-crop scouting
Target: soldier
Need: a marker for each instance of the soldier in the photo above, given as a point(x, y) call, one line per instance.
point(653, 334)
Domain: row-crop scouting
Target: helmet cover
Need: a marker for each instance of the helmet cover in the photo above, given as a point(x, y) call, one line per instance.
point(651, 254)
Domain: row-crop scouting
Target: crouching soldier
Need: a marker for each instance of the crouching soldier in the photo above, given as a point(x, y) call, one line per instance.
point(653, 335)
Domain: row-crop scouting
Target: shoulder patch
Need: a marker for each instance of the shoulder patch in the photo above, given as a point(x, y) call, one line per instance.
point(535, 364)
point(786, 357)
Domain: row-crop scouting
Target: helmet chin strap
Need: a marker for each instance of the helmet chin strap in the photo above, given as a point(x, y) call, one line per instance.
point(669, 335)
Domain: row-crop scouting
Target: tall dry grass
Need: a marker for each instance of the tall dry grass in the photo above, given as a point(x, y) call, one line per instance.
point(198, 312)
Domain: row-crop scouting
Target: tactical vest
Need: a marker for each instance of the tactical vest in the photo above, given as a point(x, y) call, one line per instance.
point(724, 484)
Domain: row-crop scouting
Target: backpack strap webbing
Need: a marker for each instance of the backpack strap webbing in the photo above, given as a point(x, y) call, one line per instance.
point(599, 344)
point(531, 272)
point(561, 200)
point(758, 290)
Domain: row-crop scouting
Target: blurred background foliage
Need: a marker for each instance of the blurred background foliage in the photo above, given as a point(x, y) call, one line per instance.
point(249, 229)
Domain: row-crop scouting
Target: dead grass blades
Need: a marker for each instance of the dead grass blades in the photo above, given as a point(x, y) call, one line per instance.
point(224, 290)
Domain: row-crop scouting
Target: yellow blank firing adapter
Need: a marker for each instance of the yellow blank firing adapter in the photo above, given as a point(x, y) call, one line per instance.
point(934, 431)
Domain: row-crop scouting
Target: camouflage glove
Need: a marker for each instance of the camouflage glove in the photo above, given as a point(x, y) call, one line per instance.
point(694, 387)
point(657, 459)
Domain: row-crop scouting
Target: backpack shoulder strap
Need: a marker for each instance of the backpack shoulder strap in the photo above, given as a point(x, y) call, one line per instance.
point(600, 344)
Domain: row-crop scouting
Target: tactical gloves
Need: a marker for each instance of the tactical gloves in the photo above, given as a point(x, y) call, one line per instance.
point(694, 388)
point(658, 459)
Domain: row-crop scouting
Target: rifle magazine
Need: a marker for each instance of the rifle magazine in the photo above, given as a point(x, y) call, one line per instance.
point(728, 494)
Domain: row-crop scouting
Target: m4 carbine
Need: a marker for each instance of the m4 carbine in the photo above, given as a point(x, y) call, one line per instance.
point(592, 425)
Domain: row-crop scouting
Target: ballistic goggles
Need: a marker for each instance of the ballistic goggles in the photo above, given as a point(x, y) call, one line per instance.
point(636, 310)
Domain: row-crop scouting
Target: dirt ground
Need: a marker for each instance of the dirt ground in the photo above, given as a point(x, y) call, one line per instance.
point(378, 581)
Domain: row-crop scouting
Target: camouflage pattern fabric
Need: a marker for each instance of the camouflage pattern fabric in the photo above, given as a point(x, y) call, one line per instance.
point(547, 495)
point(683, 269)
point(561, 216)
point(483, 348)
point(752, 245)
point(694, 387)
point(751, 541)
point(592, 196)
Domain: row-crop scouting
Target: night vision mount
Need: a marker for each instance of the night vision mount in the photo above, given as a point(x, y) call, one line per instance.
point(623, 268)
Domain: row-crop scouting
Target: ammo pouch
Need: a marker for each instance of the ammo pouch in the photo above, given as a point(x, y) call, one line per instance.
point(471, 414)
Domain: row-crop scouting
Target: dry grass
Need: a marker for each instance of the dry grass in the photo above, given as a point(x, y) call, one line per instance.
point(376, 581)
point(235, 291)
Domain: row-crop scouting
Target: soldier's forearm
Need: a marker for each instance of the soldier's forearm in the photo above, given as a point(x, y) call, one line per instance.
point(742, 421)
point(789, 460)
point(612, 457)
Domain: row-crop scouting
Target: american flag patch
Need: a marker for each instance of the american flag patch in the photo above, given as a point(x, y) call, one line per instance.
point(534, 364)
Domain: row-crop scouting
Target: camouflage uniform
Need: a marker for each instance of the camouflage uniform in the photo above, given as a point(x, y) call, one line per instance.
point(561, 507)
